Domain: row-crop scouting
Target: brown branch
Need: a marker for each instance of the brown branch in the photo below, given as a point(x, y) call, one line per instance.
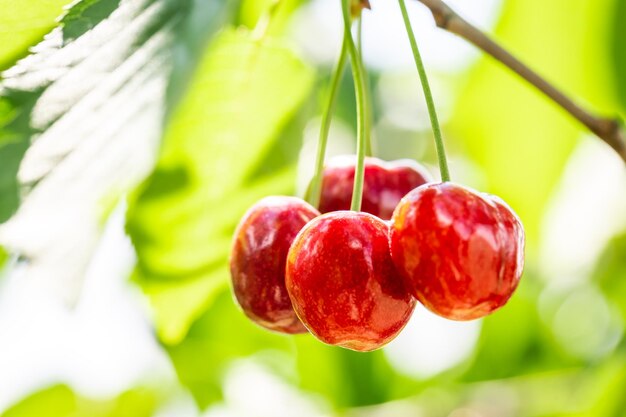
point(609, 130)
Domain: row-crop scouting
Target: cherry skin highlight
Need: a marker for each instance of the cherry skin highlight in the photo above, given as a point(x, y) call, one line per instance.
point(384, 185)
point(258, 257)
point(461, 252)
point(343, 284)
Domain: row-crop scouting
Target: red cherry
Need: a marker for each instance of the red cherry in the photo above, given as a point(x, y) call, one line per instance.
point(343, 284)
point(460, 251)
point(258, 257)
point(384, 185)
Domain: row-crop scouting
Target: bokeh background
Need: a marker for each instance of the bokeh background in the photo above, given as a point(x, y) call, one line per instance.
point(135, 133)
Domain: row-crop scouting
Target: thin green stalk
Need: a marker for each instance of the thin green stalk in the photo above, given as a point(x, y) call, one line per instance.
point(434, 121)
point(316, 184)
point(368, 96)
point(359, 86)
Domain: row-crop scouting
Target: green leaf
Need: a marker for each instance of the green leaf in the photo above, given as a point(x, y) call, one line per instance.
point(607, 388)
point(56, 401)
point(81, 121)
point(3, 256)
point(527, 347)
point(618, 49)
point(23, 24)
point(610, 272)
point(252, 12)
point(219, 336)
point(84, 16)
point(345, 378)
point(243, 94)
point(61, 401)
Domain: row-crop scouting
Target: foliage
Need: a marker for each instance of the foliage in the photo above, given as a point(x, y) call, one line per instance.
point(198, 202)
point(23, 24)
point(618, 46)
point(61, 401)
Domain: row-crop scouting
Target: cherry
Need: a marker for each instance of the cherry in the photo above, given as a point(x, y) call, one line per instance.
point(460, 251)
point(343, 284)
point(385, 184)
point(258, 258)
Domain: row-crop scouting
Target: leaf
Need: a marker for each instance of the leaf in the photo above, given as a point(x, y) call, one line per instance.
point(3, 257)
point(61, 401)
point(91, 99)
point(245, 91)
point(221, 335)
point(23, 24)
point(618, 49)
point(610, 272)
point(56, 401)
point(345, 378)
point(252, 12)
point(84, 16)
point(505, 351)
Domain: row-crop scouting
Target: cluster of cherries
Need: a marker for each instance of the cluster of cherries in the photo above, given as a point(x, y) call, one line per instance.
point(352, 278)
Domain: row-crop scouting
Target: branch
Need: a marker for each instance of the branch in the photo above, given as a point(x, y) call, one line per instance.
point(609, 130)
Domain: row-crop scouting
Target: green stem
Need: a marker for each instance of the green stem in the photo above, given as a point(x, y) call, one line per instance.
point(362, 133)
point(368, 96)
point(316, 184)
point(434, 121)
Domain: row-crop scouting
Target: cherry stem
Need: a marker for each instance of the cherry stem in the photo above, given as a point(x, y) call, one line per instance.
point(316, 183)
point(432, 112)
point(368, 96)
point(362, 130)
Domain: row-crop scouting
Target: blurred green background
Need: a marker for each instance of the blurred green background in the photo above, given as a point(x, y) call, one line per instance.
point(137, 132)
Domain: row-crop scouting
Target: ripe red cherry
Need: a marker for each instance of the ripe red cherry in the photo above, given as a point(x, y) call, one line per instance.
point(460, 251)
point(258, 257)
point(384, 185)
point(343, 284)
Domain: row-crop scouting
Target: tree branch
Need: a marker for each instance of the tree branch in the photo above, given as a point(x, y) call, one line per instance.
point(609, 130)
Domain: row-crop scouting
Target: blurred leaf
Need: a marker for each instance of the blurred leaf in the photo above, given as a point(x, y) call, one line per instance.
point(91, 100)
point(61, 401)
point(520, 139)
point(618, 46)
point(85, 15)
point(219, 336)
point(609, 386)
point(514, 341)
point(610, 272)
point(10, 155)
point(345, 378)
point(244, 92)
point(24, 23)
point(599, 392)
point(134, 403)
point(56, 401)
point(72, 101)
point(253, 11)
